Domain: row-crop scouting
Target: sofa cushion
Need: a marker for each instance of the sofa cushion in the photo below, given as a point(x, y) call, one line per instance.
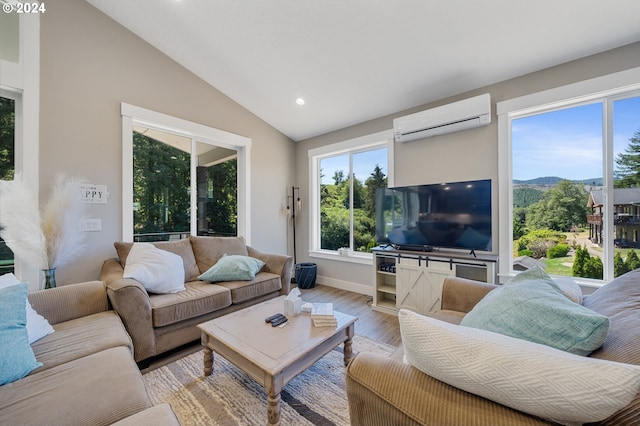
point(158, 415)
point(570, 289)
point(180, 247)
point(81, 337)
point(453, 317)
point(96, 390)
point(37, 325)
point(16, 356)
point(233, 267)
point(530, 306)
point(241, 291)
point(159, 271)
point(207, 250)
point(199, 298)
point(526, 376)
point(71, 301)
point(384, 392)
point(620, 301)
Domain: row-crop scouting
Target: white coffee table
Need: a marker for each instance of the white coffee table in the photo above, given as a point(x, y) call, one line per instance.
point(273, 356)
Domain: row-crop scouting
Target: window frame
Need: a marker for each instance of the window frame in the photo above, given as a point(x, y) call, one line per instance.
point(18, 146)
point(198, 134)
point(383, 139)
point(605, 89)
point(16, 97)
point(23, 79)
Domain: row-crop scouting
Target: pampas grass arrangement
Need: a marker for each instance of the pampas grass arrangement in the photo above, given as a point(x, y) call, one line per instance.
point(47, 239)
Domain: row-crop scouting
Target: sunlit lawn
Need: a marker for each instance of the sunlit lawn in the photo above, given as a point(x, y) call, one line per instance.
point(556, 267)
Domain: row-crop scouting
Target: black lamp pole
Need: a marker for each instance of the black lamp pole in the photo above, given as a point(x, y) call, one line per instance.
point(295, 202)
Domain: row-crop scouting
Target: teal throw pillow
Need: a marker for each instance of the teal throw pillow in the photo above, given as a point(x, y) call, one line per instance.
point(531, 306)
point(16, 356)
point(233, 268)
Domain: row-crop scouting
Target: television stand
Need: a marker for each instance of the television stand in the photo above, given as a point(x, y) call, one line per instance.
point(413, 279)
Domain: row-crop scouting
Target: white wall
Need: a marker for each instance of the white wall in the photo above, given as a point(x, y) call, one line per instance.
point(9, 29)
point(466, 155)
point(89, 65)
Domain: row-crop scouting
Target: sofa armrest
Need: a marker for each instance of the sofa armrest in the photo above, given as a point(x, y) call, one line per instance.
point(69, 302)
point(276, 264)
point(383, 391)
point(461, 294)
point(131, 301)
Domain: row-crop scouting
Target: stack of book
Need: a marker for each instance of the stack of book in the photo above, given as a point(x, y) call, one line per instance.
point(322, 315)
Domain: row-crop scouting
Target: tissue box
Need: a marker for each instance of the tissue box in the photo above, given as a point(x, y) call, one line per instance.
point(293, 307)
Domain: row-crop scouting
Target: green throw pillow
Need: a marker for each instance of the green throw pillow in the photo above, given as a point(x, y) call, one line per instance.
point(16, 356)
point(531, 306)
point(233, 268)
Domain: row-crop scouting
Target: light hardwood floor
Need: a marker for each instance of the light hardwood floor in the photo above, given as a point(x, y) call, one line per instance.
point(375, 325)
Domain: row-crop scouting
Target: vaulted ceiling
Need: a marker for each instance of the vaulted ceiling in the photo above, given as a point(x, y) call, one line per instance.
point(356, 60)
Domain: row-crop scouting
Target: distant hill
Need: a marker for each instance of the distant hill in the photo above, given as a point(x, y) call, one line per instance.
point(552, 180)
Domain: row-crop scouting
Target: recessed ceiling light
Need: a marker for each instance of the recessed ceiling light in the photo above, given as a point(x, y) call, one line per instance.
point(300, 101)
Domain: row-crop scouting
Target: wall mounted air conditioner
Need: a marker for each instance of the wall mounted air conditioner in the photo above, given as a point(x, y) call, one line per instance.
point(461, 115)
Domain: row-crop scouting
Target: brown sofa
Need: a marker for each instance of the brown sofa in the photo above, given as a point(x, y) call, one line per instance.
point(161, 322)
point(88, 375)
point(383, 391)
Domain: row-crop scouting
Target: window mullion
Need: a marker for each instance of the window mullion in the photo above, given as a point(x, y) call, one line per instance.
point(351, 179)
point(608, 171)
point(193, 189)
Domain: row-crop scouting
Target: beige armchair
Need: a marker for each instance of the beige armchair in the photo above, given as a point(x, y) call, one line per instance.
point(384, 391)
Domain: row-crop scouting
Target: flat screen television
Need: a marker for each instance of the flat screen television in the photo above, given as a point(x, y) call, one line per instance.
point(445, 215)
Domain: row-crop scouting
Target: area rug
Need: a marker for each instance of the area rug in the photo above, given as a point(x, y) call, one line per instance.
point(229, 397)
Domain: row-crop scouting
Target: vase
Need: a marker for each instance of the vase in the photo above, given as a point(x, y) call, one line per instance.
point(49, 278)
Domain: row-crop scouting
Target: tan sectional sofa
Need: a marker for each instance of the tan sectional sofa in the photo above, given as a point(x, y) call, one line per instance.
point(160, 322)
point(383, 391)
point(88, 376)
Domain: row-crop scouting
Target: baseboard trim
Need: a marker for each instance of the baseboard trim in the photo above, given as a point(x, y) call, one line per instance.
point(345, 285)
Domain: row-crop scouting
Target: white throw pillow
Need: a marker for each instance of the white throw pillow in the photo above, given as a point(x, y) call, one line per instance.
point(529, 377)
point(570, 288)
point(159, 271)
point(37, 325)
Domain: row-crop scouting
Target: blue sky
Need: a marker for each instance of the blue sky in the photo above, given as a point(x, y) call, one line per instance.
point(568, 143)
point(363, 165)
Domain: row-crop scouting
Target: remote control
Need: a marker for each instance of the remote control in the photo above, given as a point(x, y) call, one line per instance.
point(273, 317)
point(279, 321)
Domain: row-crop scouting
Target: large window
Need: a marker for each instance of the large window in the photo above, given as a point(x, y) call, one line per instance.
point(162, 187)
point(7, 162)
point(345, 177)
point(182, 179)
point(570, 180)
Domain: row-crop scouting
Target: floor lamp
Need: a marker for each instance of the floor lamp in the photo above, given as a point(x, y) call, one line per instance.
point(294, 204)
point(304, 273)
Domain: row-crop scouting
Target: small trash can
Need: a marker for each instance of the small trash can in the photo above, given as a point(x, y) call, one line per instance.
point(306, 275)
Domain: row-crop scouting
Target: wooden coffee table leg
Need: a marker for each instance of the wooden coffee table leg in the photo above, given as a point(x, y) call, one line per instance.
point(208, 361)
point(273, 408)
point(348, 351)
